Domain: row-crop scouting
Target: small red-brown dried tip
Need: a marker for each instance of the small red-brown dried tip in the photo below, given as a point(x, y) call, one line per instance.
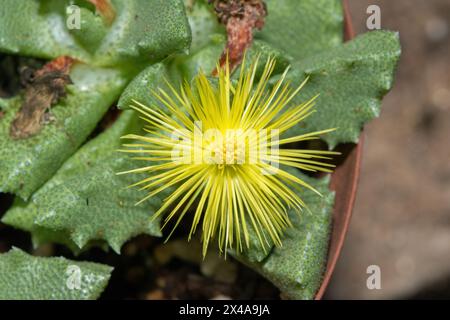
point(105, 9)
point(240, 18)
point(61, 64)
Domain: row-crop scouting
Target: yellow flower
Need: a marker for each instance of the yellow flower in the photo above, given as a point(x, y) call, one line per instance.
point(218, 146)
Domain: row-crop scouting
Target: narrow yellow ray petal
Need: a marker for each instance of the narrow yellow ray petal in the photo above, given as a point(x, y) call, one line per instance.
point(227, 199)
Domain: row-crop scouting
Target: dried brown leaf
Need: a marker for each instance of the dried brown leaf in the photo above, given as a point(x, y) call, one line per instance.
point(43, 88)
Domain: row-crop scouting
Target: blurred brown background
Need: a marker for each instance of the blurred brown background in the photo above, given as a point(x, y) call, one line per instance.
point(401, 220)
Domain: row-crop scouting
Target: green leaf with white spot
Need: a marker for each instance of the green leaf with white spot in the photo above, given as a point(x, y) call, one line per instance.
point(351, 81)
point(88, 201)
point(26, 164)
point(297, 267)
point(25, 277)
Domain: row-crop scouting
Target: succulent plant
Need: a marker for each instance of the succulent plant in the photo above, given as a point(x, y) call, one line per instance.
point(134, 54)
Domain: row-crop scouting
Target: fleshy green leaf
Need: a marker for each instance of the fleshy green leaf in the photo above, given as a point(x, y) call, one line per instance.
point(87, 200)
point(92, 29)
point(303, 28)
point(143, 30)
point(185, 67)
point(27, 163)
point(297, 267)
point(256, 252)
point(140, 87)
point(25, 277)
point(147, 30)
point(22, 216)
point(28, 28)
point(351, 80)
point(203, 23)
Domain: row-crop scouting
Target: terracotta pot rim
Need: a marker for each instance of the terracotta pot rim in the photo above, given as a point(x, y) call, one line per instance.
point(344, 182)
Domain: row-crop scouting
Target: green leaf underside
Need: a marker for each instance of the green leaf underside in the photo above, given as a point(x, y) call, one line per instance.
point(25, 277)
point(351, 80)
point(27, 163)
point(297, 267)
point(143, 30)
point(87, 200)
